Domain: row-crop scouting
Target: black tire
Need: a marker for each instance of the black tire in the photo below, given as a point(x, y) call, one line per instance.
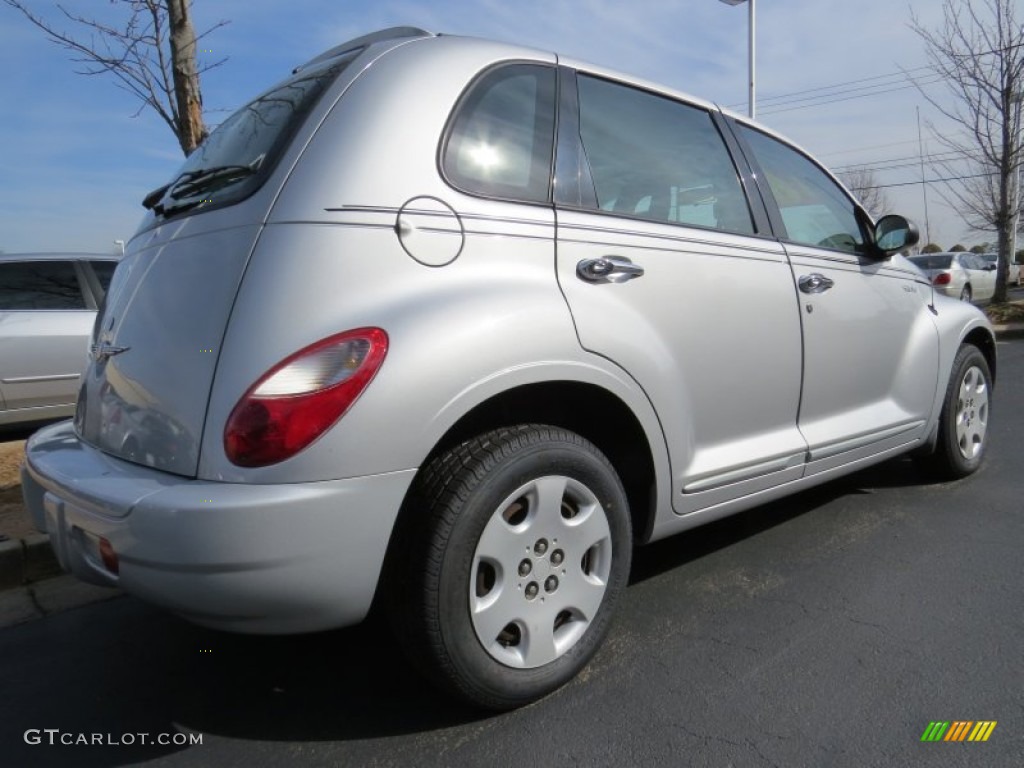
point(963, 422)
point(461, 566)
point(966, 295)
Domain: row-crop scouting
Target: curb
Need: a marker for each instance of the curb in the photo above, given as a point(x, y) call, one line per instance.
point(23, 561)
point(1009, 330)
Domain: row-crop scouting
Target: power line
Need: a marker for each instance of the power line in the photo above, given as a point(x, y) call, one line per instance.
point(862, 149)
point(864, 90)
point(833, 86)
point(932, 181)
point(901, 162)
point(799, 100)
point(834, 89)
point(847, 98)
point(858, 81)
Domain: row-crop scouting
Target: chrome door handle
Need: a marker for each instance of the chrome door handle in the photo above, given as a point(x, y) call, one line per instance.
point(608, 269)
point(814, 283)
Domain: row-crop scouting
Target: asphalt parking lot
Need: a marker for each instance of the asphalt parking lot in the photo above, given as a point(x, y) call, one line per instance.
point(829, 629)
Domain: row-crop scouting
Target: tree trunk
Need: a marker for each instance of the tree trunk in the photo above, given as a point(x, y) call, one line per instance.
point(1006, 221)
point(191, 129)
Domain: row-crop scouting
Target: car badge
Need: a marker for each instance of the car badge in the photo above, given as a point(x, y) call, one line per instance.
point(105, 350)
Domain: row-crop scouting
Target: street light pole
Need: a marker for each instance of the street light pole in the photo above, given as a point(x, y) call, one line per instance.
point(752, 36)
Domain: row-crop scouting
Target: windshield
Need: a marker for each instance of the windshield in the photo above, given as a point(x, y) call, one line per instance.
point(933, 261)
point(237, 156)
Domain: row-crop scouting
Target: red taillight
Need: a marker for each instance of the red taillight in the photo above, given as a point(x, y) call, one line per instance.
point(942, 279)
point(301, 397)
point(109, 556)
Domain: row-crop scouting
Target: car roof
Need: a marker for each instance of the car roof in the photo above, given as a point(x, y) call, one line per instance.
point(58, 256)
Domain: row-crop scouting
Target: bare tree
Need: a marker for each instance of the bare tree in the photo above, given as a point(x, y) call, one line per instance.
point(862, 182)
point(979, 53)
point(152, 54)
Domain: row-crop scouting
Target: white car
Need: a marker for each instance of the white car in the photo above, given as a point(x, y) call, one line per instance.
point(962, 275)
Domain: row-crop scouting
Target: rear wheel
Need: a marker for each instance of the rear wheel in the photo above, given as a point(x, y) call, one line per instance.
point(520, 548)
point(963, 423)
point(965, 294)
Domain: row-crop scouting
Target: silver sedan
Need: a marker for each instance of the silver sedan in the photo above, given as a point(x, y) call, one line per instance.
point(48, 304)
point(962, 275)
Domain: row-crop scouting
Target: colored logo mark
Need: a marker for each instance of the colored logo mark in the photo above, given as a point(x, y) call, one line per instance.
point(958, 730)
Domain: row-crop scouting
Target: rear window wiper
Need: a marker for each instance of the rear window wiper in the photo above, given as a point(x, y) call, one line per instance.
point(205, 177)
point(154, 197)
point(194, 182)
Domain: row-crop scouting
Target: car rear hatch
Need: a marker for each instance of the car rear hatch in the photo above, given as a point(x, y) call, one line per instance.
point(156, 342)
point(154, 347)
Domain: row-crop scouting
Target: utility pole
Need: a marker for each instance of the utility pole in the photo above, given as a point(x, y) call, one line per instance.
point(924, 185)
point(751, 39)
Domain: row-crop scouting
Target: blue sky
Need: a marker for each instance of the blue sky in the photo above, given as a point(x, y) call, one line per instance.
point(75, 162)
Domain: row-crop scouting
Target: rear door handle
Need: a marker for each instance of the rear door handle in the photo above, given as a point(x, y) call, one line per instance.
point(608, 269)
point(814, 283)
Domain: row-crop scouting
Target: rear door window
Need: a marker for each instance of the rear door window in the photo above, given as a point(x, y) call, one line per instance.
point(501, 140)
point(40, 285)
point(655, 158)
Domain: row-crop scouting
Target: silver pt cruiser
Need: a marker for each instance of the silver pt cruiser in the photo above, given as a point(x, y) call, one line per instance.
point(451, 326)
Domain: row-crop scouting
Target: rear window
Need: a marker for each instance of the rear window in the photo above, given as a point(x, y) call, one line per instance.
point(250, 141)
point(933, 261)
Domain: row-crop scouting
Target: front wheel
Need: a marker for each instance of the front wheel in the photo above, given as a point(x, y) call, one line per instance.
point(963, 422)
point(520, 547)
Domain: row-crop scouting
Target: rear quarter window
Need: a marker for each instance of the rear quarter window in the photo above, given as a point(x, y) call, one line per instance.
point(501, 138)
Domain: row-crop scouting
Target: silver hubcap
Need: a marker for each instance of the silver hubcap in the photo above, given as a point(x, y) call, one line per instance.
point(540, 571)
point(972, 413)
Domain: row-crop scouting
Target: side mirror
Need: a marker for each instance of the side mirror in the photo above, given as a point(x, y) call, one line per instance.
point(894, 233)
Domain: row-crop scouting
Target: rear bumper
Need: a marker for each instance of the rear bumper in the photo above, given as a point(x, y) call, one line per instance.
point(246, 558)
